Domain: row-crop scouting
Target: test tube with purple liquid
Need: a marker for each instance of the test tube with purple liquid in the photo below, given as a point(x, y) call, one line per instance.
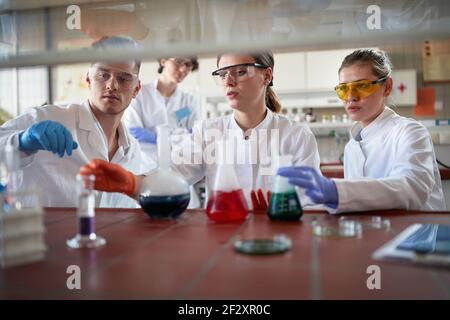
point(86, 236)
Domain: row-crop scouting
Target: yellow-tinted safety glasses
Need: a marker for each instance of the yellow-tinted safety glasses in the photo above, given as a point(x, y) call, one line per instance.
point(361, 89)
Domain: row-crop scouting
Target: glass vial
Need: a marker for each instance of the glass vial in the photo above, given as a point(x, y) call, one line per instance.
point(86, 236)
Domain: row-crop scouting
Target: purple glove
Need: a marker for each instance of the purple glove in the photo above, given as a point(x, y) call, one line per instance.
point(143, 135)
point(319, 188)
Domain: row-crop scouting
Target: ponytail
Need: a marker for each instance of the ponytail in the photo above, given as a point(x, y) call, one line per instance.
point(272, 101)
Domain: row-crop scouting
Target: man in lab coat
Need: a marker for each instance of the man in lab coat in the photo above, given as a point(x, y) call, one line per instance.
point(55, 141)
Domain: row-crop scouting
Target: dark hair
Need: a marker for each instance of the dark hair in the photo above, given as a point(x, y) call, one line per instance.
point(193, 59)
point(377, 59)
point(266, 59)
point(106, 43)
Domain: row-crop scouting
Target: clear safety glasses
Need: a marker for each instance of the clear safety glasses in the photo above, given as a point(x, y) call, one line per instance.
point(237, 72)
point(360, 89)
point(180, 62)
point(124, 79)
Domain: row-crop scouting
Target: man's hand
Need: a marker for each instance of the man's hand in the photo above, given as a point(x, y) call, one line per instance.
point(110, 177)
point(47, 135)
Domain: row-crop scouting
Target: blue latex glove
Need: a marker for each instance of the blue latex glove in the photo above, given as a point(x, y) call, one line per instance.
point(318, 188)
point(143, 135)
point(47, 135)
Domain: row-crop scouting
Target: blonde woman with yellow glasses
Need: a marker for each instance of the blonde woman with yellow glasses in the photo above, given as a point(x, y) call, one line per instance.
point(389, 163)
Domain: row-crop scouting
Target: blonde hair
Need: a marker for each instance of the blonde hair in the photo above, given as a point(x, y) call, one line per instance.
point(377, 59)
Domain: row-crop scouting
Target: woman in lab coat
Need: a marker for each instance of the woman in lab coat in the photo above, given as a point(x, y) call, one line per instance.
point(163, 102)
point(389, 163)
point(254, 125)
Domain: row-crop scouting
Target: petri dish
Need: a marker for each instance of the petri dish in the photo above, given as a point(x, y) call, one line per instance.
point(276, 245)
point(344, 228)
point(370, 223)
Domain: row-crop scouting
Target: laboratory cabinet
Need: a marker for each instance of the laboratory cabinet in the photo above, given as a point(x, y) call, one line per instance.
point(322, 69)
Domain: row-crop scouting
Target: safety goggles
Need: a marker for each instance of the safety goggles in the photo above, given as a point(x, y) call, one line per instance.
point(124, 79)
point(237, 72)
point(180, 62)
point(360, 89)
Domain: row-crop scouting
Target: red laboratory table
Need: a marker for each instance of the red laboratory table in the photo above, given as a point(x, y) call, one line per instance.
point(193, 258)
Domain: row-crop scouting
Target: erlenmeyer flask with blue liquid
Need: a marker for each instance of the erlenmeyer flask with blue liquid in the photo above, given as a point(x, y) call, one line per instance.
point(284, 202)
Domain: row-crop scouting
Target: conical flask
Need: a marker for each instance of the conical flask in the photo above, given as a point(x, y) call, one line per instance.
point(164, 193)
point(226, 202)
point(284, 202)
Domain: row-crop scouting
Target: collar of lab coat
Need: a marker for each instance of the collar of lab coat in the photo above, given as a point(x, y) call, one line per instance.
point(87, 121)
point(174, 94)
point(359, 133)
point(262, 125)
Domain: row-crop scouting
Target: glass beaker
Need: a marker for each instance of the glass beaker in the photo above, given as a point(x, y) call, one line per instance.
point(164, 194)
point(226, 202)
point(284, 203)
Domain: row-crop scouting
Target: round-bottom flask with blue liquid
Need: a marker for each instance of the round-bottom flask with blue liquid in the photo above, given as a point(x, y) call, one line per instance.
point(164, 207)
point(164, 194)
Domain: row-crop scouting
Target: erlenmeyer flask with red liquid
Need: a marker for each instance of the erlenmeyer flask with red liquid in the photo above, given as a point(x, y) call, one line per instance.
point(226, 202)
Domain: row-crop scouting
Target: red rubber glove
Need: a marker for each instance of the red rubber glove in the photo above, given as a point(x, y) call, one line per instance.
point(259, 201)
point(110, 177)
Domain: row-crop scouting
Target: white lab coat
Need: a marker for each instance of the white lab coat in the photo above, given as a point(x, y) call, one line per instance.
point(55, 177)
point(391, 165)
point(253, 172)
point(150, 109)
